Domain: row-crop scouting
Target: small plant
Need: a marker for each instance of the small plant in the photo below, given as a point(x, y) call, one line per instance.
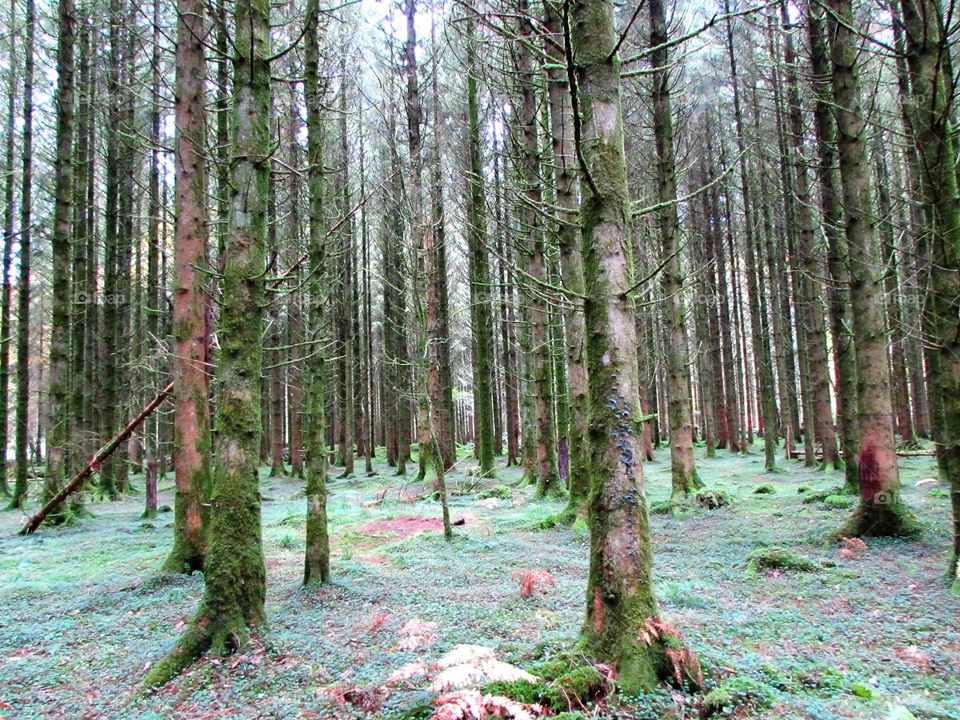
point(287, 542)
point(532, 581)
point(765, 490)
point(737, 693)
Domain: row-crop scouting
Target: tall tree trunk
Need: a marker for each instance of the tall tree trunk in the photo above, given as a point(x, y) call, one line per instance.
point(620, 594)
point(443, 412)
point(24, 258)
point(758, 326)
point(191, 449)
point(58, 410)
point(881, 510)
point(933, 135)
point(534, 262)
point(844, 353)
point(8, 212)
point(811, 309)
point(479, 264)
point(347, 405)
point(507, 322)
point(683, 469)
point(571, 260)
point(316, 564)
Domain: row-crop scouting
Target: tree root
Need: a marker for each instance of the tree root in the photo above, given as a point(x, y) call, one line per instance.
point(223, 636)
point(872, 519)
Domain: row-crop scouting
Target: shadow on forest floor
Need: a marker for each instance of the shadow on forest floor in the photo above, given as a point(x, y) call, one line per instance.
point(81, 615)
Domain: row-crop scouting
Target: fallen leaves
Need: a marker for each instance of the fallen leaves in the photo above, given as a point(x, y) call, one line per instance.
point(533, 580)
point(851, 548)
point(416, 634)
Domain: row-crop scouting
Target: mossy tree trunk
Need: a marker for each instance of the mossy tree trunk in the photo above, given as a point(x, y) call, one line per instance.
point(844, 353)
point(881, 510)
point(191, 332)
point(479, 263)
point(683, 468)
point(571, 259)
point(233, 599)
point(620, 596)
point(933, 135)
point(810, 309)
point(534, 262)
point(316, 567)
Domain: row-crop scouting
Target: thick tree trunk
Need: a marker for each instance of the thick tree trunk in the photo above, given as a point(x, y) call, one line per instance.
point(620, 596)
point(933, 135)
point(234, 570)
point(881, 510)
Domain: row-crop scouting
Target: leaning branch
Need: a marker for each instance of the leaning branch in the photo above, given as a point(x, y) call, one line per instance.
point(102, 454)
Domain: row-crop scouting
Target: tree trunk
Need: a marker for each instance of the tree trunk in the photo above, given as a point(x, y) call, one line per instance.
point(191, 449)
point(571, 260)
point(844, 353)
point(881, 510)
point(58, 411)
point(316, 564)
point(620, 595)
point(234, 570)
point(811, 310)
point(6, 300)
point(933, 135)
point(684, 477)
point(23, 259)
point(479, 265)
point(534, 263)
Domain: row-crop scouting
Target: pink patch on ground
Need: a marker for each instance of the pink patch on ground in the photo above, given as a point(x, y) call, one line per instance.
point(404, 526)
point(374, 559)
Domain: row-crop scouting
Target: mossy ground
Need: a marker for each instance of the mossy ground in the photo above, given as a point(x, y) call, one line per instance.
point(84, 611)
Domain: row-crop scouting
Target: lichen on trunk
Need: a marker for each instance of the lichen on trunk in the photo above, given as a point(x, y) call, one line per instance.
point(620, 595)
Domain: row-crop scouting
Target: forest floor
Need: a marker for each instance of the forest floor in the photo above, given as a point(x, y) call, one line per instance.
point(869, 633)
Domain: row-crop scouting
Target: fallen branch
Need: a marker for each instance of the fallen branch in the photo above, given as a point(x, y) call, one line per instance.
point(102, 454)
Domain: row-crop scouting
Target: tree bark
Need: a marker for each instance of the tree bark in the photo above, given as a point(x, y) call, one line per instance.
point(933, 136)
point(191, 332)
point(683, 468)
point(881, 510)
point(24, 260)
point(234, 569)
point(620, 595)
